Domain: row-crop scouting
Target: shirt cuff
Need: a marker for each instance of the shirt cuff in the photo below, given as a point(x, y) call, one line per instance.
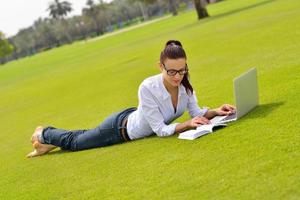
point(169, 129)
point(204, 111)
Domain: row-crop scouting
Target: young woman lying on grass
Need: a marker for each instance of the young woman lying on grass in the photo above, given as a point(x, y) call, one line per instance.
point(162, 99)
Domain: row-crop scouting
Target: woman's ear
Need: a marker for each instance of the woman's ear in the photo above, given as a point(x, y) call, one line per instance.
point(160, 67)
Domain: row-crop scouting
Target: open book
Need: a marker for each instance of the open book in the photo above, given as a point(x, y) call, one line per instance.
point(200, 130)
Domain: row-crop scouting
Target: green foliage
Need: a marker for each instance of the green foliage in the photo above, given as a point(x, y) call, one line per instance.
point(5, 47)
point(76, 86)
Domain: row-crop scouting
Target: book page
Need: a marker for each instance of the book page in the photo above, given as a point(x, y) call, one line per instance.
point(199, 131)
point(192, 134)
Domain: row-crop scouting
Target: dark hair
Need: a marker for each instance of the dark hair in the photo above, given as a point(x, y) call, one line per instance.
point(174, 50)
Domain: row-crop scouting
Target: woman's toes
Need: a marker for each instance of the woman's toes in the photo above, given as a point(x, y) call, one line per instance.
point(32, 154)
point(40, 149)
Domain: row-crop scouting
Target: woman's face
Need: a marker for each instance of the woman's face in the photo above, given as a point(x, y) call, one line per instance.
point(173, 71)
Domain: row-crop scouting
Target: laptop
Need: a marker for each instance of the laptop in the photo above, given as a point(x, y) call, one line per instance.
point(246, 96)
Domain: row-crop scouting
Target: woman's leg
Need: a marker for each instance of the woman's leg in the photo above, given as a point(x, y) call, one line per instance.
point(39, 148)
point(103, 135)
point(107, 133)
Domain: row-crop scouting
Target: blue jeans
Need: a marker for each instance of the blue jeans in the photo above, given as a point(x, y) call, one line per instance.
point(107, 133)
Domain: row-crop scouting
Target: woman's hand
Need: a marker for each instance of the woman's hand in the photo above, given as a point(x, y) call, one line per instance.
point(191, 124)
point(225, 109)
point(196, 121)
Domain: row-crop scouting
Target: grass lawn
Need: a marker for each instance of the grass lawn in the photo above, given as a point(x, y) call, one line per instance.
point(76, 86)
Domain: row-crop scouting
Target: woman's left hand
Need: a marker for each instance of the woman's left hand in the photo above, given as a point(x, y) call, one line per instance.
point(225, 109)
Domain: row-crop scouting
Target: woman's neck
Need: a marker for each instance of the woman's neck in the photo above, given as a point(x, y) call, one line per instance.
point(171, 89)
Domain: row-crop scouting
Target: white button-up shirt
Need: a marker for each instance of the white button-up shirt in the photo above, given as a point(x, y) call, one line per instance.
point(155, 111)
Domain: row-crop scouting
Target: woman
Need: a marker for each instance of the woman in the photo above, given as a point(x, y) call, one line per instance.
point(162, 99)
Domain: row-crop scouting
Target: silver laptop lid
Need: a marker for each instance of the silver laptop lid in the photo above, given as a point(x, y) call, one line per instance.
point(246, 92)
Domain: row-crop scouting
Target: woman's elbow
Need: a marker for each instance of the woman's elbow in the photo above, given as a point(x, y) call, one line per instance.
point(162, 133)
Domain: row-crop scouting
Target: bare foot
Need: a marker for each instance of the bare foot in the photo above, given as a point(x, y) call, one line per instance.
point(35, 136)
point(39, 148)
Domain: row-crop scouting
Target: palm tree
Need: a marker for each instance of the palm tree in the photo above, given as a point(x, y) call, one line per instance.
point(59, 9)
point(94, 11)
point(90, 3)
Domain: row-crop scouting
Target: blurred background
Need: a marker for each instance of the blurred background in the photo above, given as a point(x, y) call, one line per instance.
point(29, 27)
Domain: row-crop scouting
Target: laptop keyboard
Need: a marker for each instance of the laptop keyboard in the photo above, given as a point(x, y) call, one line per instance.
point(229, 117)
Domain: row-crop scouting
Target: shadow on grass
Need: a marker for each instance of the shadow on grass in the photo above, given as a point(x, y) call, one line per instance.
point(59, 151)
point(263, 110)
point(231, 12)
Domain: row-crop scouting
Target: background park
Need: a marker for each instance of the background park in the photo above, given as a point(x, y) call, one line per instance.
point(72, 74)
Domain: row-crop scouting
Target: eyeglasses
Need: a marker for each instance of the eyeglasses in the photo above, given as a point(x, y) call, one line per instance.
point(173, 72)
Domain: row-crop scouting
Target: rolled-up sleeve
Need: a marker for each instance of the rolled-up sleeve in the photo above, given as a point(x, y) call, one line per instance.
point(193, 108)
point(151, 113)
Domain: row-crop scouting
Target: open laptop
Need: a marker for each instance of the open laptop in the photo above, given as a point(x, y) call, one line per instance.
point(246, 96)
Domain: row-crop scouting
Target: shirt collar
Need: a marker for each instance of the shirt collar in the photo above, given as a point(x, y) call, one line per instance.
point(165, 92)
point(182, 90)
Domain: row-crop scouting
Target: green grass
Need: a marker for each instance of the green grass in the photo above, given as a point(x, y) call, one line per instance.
point(77, 86)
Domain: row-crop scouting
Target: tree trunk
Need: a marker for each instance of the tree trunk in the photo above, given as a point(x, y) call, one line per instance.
point(144, 12)
point(200, 6)
point(66, 31)
point(172, 7)
point(96, 25)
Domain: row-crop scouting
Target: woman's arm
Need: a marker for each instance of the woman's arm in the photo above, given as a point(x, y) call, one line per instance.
point(225, 109)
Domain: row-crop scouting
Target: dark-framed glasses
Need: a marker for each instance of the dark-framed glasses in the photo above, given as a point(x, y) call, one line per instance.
point(173, 72)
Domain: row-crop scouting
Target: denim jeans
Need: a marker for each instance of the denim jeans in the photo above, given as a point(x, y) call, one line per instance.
point(107, 133)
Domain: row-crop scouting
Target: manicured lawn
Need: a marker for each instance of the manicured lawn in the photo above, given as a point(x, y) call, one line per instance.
point(76, 86)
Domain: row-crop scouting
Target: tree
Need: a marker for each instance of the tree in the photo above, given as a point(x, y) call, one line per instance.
point(93, 11)
point(24, 42)
point(59, 9)
point(142, 4)
point(5, 47)
point(200, 6)
point(44, 33)
point(173, 7)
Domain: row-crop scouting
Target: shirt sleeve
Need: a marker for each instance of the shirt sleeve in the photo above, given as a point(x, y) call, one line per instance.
point(193, 108)
point(152, 114)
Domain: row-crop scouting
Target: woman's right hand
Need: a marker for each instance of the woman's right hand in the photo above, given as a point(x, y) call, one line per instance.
point(197, 121)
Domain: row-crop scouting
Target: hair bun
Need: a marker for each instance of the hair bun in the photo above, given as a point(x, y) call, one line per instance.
point(173, 42)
